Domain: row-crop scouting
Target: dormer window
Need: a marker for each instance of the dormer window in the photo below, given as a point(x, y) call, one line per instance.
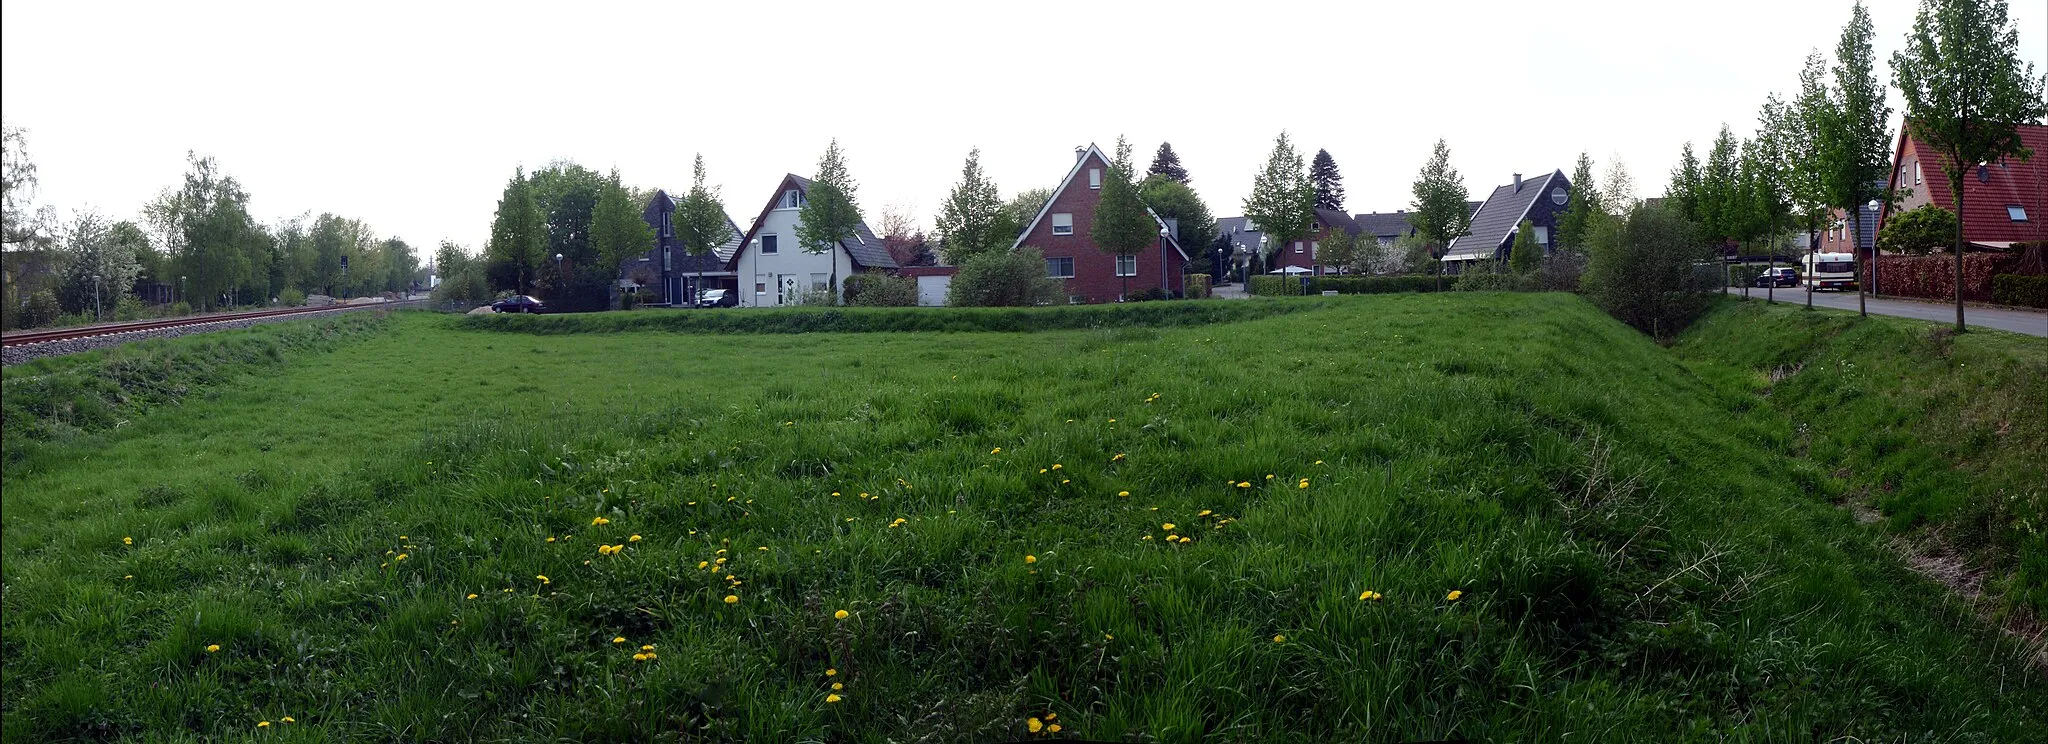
point(1094, 178)
point(792, 199)
point(2016, 212)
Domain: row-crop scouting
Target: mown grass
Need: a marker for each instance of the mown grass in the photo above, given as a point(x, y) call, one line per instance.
point(1638, 558)
point(895, 319)
point(1946, 435)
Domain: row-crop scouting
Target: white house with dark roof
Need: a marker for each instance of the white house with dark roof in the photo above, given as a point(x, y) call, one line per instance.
point(1492, 234)
point(772, 268)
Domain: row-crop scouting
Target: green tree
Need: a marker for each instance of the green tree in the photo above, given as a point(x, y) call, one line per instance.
point(1166, 164)
point(1025, 206)
point(1684, 193)
point(1807, 132)
point(518, 234)
point(1527, 255)
point(1122, 226)
point(1764, 179)
point(1177, 201)
point(1918, 231)
point(1340, 251)
point(1965, 90)
point(1328, 181)
point(700, 221)
point(1004, 279)
point(566, 194)
point(98, 268)
point(1583, 209)
point(1719, 202)
point(1283, 200)
point(616, 231)
point(1439, 212)
point(1856, 140)
point(214, 233)
point(831, 212)
point(972, 221)
point(1643, 270)
point(18, 226)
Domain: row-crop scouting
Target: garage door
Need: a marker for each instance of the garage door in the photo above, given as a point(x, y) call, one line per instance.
point(931, 290)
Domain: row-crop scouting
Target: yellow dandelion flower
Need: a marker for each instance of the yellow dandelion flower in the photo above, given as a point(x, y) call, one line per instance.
point(401, 556)
point(763, 548)
point(1186, 539)
point(1030, 559)
point(996, 451)
point(127, 541)
point(1167, 526)
point(702, 564)
point(651, 656)
point(551, 539)
point(289, 719)
point(1052, 728)
point(1244, 484)
point(213, 648)
point(1112, 421)
point(1041, 471)
point(840, 615)
point(831, 672)
point(833, 698)
point(1148, 537)
point(1304, 483)
point(1280, 639)
point(542, 578)
point(129, 576)
point(471, 596)
point(1454, 595)
point(838, 686)
point(1123, 494)
point(635, 538)
point(1205, 512)
point(1269, 476)
point(1056, 466)
point(1118, 458)
point(639, 657)
point(732, 599)
point(648, 647)
point(835, 493)
point(619, 639)
point(1319, 462)
point(262, 724)
point(1034, 725)
point(594, 521)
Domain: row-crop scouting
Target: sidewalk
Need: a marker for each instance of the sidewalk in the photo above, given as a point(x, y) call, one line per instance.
point(2030, 322)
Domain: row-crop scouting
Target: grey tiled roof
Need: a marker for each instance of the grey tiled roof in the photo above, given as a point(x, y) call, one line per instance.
point(1495, 221)
point(1384, 224)
point(866, 249)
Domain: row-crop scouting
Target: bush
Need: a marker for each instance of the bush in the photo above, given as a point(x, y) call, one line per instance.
point(896, 319)
point(1934, 277)
point(1273, 286)
point(1372, 284)
point(1647, 271)
point(1148, 294)
point(882, 290)
point(1487, 281)
point(1198, 286)
point(291, 298)
point(1919, 231)
point(41, 309)
point(1561, 272)
point(2020, 291)
point(1005, 279)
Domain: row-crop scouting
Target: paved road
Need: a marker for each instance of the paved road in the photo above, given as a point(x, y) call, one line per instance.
point(2030, 322)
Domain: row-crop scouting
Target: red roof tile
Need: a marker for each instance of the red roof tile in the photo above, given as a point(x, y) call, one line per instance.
point(2005, 182)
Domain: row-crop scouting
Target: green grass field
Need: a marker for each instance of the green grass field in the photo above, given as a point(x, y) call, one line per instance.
point(1392, 517)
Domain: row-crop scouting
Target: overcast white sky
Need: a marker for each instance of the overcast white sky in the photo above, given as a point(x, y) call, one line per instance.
point(412, 115)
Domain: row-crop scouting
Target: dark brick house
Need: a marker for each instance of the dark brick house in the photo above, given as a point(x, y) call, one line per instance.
point(1492, 234)
point(676, 276)
point(1061, 232)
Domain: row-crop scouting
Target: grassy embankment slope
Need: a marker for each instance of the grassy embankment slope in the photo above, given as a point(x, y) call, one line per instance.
point(1945, 436)
point(1635, 561)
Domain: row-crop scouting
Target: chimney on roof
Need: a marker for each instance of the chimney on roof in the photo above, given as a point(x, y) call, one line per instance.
point(1079, 153)
point(1518, 183)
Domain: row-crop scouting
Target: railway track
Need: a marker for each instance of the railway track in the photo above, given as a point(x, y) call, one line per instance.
point(27, 338)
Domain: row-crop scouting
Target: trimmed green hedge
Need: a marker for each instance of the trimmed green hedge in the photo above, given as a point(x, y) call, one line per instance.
point(888, 319)
point(2020, 291)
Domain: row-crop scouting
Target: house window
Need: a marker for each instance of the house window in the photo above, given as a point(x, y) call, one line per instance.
point(1314, 226)
point(1916, 173)
point(1062, 224)
point(1059, 268)
point(2016, 212)
point(792, 199)
point(1297, 246)
point(1126, 265)
point(1094, 178)
point(768, 246)
point(1250, 226)
point(760, 288)
point(1542, 235)
point(817, 281)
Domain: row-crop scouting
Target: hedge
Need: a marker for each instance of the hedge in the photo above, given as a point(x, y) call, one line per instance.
point(2020, 291)
point(1934, 277)
point(887, 319)
point(1291, 285)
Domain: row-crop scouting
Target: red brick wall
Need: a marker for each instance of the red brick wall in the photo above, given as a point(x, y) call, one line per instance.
point(1094, 271)
point(1306, 258)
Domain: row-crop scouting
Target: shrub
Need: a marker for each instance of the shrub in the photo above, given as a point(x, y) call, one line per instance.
point(1004, 279)
point(881, 290)
point(2020, 291)
point(1918, 231)
point(1487, 281)
point(1526, 256)
point(41, 309)
point(291, 298)
point(1197, 286)
point(1148, 294)
point(1371, 284)
point(1934, 277)
point(1561, 272)
point(895, 319)
point(1646, 271)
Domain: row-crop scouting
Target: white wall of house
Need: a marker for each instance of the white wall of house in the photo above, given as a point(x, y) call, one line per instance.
point(769, 279)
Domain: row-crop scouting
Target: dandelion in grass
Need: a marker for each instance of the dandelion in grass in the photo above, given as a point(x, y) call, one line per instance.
point(213, 648)
point(289, 719)
point(838, 686)
point(640, 657)
point(1123, 494)
point(1319, 462)
point(635, 538)
point(1244, 484)
point(1056, 466)
point(648, 647)
point(1041, 471)
point(1304, 483)
point(1369, 596)
point(835, 493)
point(1282, 638)
point(551, 539)
point(1269, 476)
point(262, 724)
point(1168, 526)
point(703, 564)
point(831, 672)
point(401, 556)
point(542, 578)
point(833, 698)
point(732, 599)
point(1118, 458)
point(594, 521)
point(1454, 595)
point(129, 576)
point(1052, 728)
point(840, 615)
point(1034, 725)
point(619, 639)
point(996, 451)
point(1064, 481)
point(471, 596)
point(1030, 559)
point(127, 541)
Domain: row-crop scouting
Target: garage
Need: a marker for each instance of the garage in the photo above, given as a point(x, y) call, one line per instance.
point(931, 289)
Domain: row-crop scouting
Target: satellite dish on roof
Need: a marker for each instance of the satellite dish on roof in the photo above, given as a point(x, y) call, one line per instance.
point(1559, 196)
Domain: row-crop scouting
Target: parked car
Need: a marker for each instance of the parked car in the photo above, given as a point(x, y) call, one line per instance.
point(1784, 276)
point(519, 304)
point(718, 298)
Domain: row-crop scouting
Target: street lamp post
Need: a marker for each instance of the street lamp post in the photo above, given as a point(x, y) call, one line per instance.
point(1163, 285)
point(182, 290)
point(559, 279)
point(1874, 205)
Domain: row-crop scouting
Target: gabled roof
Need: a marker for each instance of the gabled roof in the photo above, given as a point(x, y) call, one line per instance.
point(1497, 218)
point(1091, 153)
point(1987, 189)
point(724, 251)
point(1384, 224)
point(864, 248)
point(1337, 219)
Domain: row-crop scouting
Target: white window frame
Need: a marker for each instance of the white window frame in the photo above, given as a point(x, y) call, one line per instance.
point(1095, 178)
point(1051, 261)
point(1057, 227)
point(1297, 246)
point(1542, 236)
point(1122, 259)
point(2017, 212)
point(1250, 226)
point(1916, 173)
point(770, 245)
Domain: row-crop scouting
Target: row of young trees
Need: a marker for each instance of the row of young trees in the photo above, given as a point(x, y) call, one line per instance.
point(1829, 147)
point(194, 247)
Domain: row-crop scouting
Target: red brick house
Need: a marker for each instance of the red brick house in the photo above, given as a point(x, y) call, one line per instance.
point(2004, 202)
point(1302, 253)
point(1061, 231)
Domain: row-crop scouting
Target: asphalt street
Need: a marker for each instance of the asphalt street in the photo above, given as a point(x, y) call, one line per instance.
point(2030, 322)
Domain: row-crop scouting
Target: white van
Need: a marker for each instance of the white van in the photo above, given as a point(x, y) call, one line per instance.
point(1829, 271)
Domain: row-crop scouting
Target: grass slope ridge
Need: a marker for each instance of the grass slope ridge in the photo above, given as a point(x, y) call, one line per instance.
point(1945, 435)
point(1498, 517)
point(66, 396)
point(893, 319)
